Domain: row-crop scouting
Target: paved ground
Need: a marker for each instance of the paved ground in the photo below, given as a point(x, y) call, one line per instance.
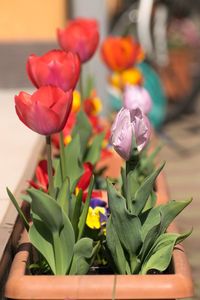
point(182, 154)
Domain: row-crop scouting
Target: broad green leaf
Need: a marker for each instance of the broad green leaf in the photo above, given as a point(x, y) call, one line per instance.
point(144, 191)
point(77, 212)
point(160, 255)
point(60, 229)
point(47, 209)
point(63, 197)
point(170, 210)
point(42, 240)
point(152, 218)
point(57, 174)
point(83, 255)
point(83, 217)
point(151, 202)
point(18, 208)
point(116, 249)
point(82, 128)
point(74, 170)
point(150, 238)
point(127, 225)
point(94, 151)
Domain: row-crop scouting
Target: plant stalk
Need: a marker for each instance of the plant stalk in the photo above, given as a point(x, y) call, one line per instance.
point(62, 156)
point(81, 84)
point(49, 166)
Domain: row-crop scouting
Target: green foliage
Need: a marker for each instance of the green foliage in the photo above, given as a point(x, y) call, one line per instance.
point(136, 232)
point(94, 151)
point(82, 128)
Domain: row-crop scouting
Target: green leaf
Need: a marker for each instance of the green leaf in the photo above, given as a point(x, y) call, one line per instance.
point(77, 212)
point(153, 218)
point(144, 191)
point(94, 151)
point(57, 174)
point(160, 256)
point(89, 85)
point(150, 238)
point(148, 161)
point(74, 169)
point(60, 232)
point(63, 197)
point(83, 254)
point(42, 240)
point(82, 128)
point(127, 225)
point(18, 208)
point(83, 217)
point(47, 209)
point(170, 210)
point(115, 248)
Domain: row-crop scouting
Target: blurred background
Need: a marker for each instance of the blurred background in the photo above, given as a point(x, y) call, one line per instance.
point(169, 31)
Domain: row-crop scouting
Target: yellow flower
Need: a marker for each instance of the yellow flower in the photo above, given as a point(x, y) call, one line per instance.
point(93, 218)
point(131, 76)
point(97, 105)
point(76, 101)
point(115, 80)
point(67, 139)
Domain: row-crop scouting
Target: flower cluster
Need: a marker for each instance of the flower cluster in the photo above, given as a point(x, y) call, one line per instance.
point(74, 226)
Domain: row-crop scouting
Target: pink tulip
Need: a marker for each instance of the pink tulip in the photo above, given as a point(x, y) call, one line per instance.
point(137, 96)
point(56, 67)
point(46, 111)
point(129, 124)
point(80, 36)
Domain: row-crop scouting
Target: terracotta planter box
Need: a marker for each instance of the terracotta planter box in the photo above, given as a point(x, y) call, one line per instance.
point(165, 286)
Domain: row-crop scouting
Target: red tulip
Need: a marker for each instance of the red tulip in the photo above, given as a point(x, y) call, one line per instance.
point(120, 53)
point(46, 111)
point(56, 67)
point(80, 36)
point(84, 181)
point(66, 130)
point(41, 176)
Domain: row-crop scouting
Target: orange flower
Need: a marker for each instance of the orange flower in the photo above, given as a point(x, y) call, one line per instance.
point(120, 53)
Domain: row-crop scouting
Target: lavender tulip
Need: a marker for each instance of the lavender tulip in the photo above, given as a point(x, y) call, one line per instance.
point(129, 125)
point(135, 96)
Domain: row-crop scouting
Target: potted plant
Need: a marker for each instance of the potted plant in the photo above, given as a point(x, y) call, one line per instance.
point(72, 234)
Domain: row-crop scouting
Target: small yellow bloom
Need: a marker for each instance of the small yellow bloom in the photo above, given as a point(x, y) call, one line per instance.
point(93, 218)
point(131, 76)
point(97, 105)
point(115, 80)
point(76, 101)
point(67, 139)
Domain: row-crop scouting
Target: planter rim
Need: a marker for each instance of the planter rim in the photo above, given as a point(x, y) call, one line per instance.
point(164, 286)
point(168, 286)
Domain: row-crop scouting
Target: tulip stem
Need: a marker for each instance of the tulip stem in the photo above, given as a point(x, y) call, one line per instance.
point(62, 156)
point(81, 84)
point(49, 166)
point(131, 164)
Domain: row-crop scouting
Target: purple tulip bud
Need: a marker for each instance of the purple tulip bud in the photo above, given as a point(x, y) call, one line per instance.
point(137, 96)
point(129, 124)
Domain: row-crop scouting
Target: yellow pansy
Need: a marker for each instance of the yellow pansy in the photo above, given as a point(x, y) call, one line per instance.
point(93, 218)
